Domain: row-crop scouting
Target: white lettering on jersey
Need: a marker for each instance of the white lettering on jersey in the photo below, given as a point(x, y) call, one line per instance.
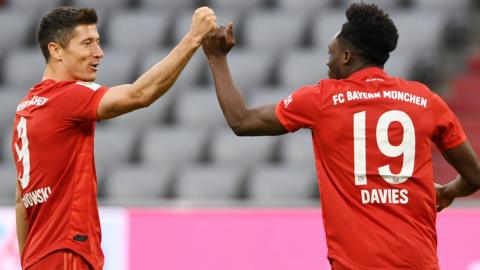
point(384, 196)
point(352, 95)
point(338, 99)
point(287, 101)
point(35, 101)
point(406, 97)
point(91, 85)
point(36, 197)
point(374, 80)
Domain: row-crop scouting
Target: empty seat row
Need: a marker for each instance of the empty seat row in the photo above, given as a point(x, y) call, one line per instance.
point(212, 183)
point(267, 29)
point(250, 68)
point(146, 28)
point(179, 146)
point(232, 4)
point(128, 183)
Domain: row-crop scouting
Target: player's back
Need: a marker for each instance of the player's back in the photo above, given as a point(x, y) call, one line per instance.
point(53, 149)
point(373, 151)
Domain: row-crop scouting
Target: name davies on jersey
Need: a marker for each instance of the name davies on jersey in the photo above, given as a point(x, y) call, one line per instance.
point(389, 94)
point(384, 196)
point(36, 197)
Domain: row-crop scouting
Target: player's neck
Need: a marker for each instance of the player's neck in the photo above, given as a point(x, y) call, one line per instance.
point(55, 73)
point(361, 66)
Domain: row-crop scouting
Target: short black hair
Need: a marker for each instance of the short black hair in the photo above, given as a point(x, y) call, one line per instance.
point(58, 25)
point(370, 31)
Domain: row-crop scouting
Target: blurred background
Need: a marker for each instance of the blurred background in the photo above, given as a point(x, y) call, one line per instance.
point(179, 153)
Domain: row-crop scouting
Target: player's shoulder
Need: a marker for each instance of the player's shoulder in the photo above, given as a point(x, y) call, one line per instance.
point(304, 90)
point(81, 85)
point(60, 86)
point(314, 88)
point(333, 85)
point(416, 86)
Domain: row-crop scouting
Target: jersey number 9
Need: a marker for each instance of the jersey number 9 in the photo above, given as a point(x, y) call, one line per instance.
point(23, 153)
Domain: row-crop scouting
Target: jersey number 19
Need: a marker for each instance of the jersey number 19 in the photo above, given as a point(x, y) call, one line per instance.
point(405, 148)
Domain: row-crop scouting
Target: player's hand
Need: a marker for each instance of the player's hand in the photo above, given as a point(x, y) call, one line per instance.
point(443, 199)
point(219, 42)
point(203, 21)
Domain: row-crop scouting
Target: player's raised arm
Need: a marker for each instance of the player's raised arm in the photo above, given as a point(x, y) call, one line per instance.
point(156, 81)
point(243, 121)
point(464, 160)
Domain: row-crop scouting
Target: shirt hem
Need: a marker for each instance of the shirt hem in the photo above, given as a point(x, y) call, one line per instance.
point(32, 260)
point(352, 265)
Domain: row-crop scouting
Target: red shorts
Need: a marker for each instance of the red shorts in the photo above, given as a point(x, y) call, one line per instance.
point(61, 260)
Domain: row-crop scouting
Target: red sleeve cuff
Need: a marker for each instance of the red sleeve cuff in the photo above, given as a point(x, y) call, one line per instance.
point(281, 117)
point(98, 96)
point(453, 143)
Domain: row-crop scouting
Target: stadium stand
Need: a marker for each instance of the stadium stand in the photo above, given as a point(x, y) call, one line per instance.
point(297, 150)
point(247, 75)
point(324, 26)
point(227, 149)
point(117, 67)
point(102, 5)
point(32, 5)
point(143, 119)
point(198, 107)
point(209, 185)
point(282, 185)
point(258, 26)
point(177, 5)
point(113, 145)
point(302, 67)
point(178, 152)
point(145, 185)
point(174, 146)
point(14, 28)
point(8, 105)
point(23, 67)
point(246, 5)
point(312, 6)
point(190, 76)
point(138, 30)
point(268, 95)
point(7, 184)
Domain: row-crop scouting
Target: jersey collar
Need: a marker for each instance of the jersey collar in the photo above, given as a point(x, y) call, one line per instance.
point(368, 73)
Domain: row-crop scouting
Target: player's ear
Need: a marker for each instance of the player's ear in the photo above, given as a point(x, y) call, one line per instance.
point(56, 51)
point(347, 55)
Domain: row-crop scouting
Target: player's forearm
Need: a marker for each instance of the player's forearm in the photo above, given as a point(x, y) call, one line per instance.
point(464, 160)
point(459, 187)
point(21, 223)
point(159, 79)
point(231, 101)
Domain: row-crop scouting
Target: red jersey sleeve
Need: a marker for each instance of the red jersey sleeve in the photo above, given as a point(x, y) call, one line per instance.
point(299, 109)
point(448, 130)
point(80, 101)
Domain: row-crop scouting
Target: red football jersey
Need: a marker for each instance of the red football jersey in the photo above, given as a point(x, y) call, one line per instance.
point(372, 137)
point(52, 146)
